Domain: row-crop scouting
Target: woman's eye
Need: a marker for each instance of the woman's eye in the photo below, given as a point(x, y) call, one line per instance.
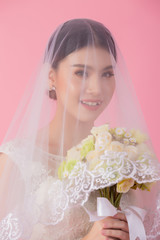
point(81, 73)
point(108, 74)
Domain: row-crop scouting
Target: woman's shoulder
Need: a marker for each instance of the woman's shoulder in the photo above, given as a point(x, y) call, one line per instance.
point(16, 153)
point(17, 146)
point(7, 159)
point(9, 147)
point(3, 161)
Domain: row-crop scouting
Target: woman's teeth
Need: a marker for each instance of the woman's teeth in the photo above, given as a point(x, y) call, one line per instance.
point(91, 103)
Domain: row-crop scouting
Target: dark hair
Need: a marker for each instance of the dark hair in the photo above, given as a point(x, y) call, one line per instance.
point(76, 34)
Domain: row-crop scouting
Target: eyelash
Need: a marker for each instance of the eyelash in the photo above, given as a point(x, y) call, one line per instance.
point(111, 74)
point(82, 73)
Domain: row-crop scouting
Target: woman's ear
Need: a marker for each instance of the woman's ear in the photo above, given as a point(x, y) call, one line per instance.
point(52, 84)
point(51, 79)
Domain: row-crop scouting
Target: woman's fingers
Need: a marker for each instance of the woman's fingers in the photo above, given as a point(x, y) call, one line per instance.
point(120, 216)
point(116, 223)
point(112, 233)
point(116, 227)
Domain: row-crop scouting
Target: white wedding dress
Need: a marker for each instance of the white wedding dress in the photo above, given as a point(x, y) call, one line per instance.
point(75, 223)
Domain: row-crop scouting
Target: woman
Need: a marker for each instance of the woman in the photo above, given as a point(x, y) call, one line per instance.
point(87, 79)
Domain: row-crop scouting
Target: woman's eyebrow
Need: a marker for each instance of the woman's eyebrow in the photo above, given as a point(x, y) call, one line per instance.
point(87, 66)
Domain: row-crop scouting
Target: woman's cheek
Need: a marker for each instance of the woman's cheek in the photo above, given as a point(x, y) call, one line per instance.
point(108, 94)
point(111, 88)
point(75, 90)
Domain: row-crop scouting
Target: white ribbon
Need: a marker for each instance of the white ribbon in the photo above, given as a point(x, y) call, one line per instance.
point(134, 215)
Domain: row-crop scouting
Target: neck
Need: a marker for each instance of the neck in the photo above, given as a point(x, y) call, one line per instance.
point(66, 133)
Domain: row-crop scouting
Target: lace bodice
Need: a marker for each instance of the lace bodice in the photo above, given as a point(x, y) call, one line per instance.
point(75, 224)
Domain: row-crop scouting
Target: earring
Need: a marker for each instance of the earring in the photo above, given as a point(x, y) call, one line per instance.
point(52, 93)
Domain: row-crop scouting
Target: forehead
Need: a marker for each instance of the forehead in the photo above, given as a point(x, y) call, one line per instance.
point(96, 57)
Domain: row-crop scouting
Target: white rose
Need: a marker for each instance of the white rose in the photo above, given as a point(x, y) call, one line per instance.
point(100, 130)
point(116, 146)
point(132, 151)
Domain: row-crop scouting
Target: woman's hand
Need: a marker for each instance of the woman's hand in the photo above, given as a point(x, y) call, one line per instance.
point(109, 228)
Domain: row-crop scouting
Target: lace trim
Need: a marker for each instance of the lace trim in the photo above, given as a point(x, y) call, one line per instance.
point(9, 228)
point(81, 181)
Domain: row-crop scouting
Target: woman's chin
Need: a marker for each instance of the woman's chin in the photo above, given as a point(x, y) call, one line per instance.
point(87, 117)
point(89, 114)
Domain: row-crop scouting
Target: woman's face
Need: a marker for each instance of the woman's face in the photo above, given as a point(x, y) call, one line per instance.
point(85, 83)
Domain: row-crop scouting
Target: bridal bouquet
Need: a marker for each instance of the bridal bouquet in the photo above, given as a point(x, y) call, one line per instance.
point(112, 160)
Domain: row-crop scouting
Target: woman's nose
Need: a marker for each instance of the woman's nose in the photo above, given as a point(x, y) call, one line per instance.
point(93, 85)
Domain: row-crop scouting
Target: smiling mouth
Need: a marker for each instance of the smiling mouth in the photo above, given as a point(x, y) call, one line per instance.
point(89, 103)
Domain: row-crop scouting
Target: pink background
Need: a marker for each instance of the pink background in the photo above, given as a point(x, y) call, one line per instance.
point(26, 25)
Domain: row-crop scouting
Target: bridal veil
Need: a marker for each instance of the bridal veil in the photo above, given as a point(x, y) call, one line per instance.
point(82, 81)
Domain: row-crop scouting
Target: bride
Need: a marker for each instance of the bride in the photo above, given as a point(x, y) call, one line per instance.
point(82, 82)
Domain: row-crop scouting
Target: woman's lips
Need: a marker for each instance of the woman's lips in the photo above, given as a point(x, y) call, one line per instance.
point(91, 104)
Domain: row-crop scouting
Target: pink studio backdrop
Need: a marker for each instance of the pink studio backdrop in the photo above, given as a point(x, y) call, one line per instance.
point(26, 25)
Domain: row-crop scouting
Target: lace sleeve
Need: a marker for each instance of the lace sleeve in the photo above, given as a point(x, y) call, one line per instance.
point(7, 154)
